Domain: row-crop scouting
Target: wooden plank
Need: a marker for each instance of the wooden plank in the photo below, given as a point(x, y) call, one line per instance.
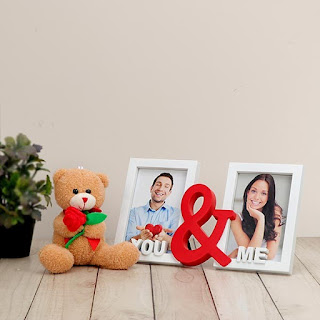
point(123, 294)
point(308, 252)
point(181, 293)
point(239, 295)
point(65, 296)
point(296, 296)
point(19, 281)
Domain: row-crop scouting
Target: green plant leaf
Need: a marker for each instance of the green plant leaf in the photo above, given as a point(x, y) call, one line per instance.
point(14, 179)
point(95, 218)
point(26, 211)
point(3, 160)
point(9, 152)
point(25, 152)
point(24, 200)
point(40, 184)
point(40, 206)
point(10, 142)
point(8, 221)
point(48, 200)
point(48, 186)
point(22, 140)
point(34, 198)
point(37, 147)
point(20, 193)
point(36, 214)
point(20, 219)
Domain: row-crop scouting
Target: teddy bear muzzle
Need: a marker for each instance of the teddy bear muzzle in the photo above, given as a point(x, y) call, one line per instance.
point(83, 201)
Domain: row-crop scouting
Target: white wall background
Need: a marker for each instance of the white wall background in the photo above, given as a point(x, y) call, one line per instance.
point(98, 82)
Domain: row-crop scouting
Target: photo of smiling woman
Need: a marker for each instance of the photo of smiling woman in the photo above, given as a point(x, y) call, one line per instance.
point(260, 223)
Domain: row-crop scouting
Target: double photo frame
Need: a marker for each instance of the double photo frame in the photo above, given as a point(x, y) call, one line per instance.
point(278, 185)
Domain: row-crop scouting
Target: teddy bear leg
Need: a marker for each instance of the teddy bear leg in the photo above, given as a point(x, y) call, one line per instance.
point(56, 259)
point(119, 256)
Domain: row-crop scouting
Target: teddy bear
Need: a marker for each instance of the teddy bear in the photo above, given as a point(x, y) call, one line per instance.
point(78, 237)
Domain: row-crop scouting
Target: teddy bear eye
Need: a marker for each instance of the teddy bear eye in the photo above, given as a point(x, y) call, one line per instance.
point(88, 191)
point(75, 191)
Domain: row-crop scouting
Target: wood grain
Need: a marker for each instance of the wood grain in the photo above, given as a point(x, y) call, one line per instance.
point(65, 296)
point(160, 292)
point(181, 293)
point(297, 296)
point(239, 295)
point(123, 294)
point(19, 281)
point(308, 252)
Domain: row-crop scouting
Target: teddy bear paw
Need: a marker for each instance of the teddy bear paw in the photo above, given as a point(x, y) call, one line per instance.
point(56, 259)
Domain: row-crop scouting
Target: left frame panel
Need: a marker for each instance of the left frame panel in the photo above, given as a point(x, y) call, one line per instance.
point(147, 201)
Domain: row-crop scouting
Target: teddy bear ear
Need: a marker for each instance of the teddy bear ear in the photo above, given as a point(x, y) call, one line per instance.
point(58, 174)
point(104, 178)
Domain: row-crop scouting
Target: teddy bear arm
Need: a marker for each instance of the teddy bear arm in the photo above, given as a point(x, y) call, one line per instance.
point(61, 229)
point(58, 239)
point(96, 231)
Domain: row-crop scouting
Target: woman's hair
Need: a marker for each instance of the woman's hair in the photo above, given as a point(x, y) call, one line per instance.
point(248, 223)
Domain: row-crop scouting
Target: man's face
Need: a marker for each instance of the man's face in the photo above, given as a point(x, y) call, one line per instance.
point(161, 190)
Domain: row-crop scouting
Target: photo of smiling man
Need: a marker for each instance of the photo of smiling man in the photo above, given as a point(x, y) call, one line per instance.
point(156, 212)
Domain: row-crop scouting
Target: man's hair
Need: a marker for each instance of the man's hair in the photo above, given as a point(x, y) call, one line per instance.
point(163, 174)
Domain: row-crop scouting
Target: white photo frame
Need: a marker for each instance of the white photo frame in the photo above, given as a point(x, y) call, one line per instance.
point(140, 175)
point(288, 180)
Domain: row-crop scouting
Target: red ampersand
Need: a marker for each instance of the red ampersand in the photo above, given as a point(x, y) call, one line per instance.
point(192, 225)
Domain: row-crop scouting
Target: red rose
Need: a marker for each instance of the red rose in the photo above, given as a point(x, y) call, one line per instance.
point(74, 218)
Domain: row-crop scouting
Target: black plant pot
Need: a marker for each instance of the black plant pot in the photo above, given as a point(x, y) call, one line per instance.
point(15, 242)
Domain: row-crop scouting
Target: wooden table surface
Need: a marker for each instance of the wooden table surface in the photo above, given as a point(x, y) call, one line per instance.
point(27, 291)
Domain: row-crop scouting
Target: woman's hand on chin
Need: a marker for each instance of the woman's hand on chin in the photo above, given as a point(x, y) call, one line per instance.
point(254, 213)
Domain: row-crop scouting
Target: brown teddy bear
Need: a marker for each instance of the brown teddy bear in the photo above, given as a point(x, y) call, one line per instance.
point(78, 237)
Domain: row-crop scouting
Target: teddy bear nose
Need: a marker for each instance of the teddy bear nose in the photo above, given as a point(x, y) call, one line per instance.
point(85, 200)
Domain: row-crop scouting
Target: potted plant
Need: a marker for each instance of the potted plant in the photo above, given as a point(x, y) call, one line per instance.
point(20, 194)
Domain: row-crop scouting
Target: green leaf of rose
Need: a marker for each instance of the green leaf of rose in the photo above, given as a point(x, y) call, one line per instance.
point(95, 218)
